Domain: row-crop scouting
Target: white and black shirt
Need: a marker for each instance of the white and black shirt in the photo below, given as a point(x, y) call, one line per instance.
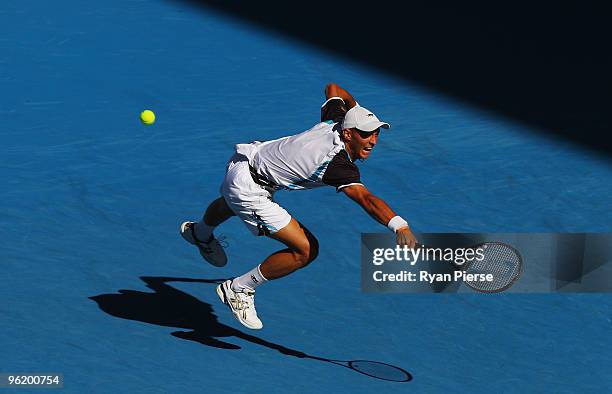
point(313, 158)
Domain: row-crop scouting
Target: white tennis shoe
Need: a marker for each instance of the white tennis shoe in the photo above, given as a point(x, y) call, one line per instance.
point(212, 250)
point(242, 304)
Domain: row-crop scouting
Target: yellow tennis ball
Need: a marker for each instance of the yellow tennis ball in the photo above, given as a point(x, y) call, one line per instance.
point(147, 116)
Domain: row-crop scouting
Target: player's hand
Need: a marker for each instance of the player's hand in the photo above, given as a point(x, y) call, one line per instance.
point(404, 237)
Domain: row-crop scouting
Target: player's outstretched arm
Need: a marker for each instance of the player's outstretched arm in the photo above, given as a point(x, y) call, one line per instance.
point(381, 212)
point(334, 90)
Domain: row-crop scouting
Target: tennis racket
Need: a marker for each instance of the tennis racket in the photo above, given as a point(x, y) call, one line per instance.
point(503, 262)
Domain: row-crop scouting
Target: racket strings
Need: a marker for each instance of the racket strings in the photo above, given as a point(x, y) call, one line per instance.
point(501, 261)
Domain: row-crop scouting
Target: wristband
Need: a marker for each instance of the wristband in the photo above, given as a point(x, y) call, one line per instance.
point(396, 223)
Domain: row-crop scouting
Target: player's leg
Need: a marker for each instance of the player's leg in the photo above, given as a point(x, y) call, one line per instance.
point(302, 248)
point(216, 213)
point(256, 208)
point(239, 293)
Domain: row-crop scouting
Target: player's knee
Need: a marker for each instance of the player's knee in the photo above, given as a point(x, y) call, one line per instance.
point(314, 249)
point(308, 252)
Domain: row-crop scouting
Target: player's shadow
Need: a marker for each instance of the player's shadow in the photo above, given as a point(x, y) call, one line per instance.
point(170, 307)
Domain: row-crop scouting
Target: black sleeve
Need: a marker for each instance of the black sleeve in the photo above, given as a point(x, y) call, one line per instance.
point(341, 172)
point(334, 109)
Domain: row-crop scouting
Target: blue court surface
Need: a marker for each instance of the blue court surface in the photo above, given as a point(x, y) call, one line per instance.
point(97, 283)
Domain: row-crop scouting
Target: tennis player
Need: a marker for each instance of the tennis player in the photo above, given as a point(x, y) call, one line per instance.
point(323, 155)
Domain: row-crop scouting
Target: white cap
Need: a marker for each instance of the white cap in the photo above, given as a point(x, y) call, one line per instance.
point(363, 119)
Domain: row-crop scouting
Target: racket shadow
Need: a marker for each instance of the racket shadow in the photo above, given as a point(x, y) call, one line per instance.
point(170, 307)
point(373, 369)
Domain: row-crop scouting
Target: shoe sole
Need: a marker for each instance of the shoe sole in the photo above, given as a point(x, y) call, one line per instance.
point(223, 297)
point(184, 231)
point(221, 294)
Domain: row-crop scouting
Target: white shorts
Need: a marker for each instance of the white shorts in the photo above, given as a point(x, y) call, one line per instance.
point(251, 202)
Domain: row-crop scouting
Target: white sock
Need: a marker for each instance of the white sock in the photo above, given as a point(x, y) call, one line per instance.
point(203, 231)
point(248, 281)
